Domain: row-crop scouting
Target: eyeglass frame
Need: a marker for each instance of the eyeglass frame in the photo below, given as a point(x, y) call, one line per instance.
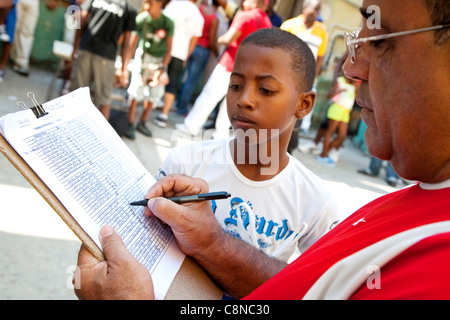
point(351, 40)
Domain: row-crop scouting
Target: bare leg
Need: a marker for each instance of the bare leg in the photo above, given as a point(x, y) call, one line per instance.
point(148, 106)
point(169, 98)
point(332, 127)
point(132, 111)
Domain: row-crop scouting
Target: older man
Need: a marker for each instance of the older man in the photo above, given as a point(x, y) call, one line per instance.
point(396, 247)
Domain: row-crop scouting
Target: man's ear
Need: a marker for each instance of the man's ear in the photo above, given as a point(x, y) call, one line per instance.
point(306, 101)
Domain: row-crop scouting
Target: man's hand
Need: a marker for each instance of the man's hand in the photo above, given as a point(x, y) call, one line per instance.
point(200, 236)
point(194, 226)
point(120, 276)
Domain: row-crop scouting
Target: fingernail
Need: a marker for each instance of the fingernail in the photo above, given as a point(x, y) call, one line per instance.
point(106, 231)
point(150, 203)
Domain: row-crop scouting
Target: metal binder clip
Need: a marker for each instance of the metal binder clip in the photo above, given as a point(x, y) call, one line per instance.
point(38, 110)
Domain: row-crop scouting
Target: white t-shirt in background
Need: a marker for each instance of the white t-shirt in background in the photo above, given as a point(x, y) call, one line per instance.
point(188, 23)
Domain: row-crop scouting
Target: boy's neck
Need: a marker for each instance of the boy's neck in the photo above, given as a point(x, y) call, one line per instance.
point(259, 162)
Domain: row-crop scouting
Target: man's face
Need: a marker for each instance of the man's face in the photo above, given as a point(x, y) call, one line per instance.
point(405, 92)
point(311, 12)
point(249, 4)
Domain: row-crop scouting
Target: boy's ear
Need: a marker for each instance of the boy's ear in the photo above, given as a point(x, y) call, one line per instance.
point(306, 101)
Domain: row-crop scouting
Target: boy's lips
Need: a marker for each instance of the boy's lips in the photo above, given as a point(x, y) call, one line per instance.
point(242, 121)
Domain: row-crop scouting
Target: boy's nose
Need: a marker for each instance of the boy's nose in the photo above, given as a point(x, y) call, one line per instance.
point(246, 99)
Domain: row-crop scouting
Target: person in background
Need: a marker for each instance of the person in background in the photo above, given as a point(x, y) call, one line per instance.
point(148, 79)
point(27, 18)
point(200, 56)
point(188, 29)
point(275, 19)
point(7, 27)
point(373, 170)
point(314, 33)
point(338, 118)
point(96, 45)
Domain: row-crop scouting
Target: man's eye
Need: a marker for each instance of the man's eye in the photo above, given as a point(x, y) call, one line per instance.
point(376, 43)
point(235, 86)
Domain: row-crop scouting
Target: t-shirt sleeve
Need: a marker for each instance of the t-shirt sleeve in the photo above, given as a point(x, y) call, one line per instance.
point(325, 220)
point(323, 46)
point(420, 272)
point(240, 21)
point(198, 32)
point(171, 165)
point(286, 26)
point(139, 22)
point(130, 20)
point(170, 27)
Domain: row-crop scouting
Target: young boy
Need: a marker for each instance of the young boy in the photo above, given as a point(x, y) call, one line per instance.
point(155, 33)
point(276, 203)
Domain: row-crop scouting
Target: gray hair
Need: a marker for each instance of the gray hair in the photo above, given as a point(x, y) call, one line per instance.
point(439, 12)
point(310, 3)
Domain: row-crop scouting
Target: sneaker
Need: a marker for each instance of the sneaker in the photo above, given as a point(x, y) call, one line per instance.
point(367, 172)
point(334, 154)
point(182, 127)
point(392, 181)
point(142, 128)
point(308, 147)
point(21, 70)
point(4, 36)
point(130, 133)
point(327, 161)
point(161, 121)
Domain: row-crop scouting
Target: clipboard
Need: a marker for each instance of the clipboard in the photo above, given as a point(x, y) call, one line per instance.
point(191, 281)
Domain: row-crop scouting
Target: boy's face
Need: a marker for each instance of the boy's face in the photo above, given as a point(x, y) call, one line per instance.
point(263, 93)
point(153, 6)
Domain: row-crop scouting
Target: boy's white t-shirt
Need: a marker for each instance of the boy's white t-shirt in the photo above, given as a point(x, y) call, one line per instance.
point(293, 209)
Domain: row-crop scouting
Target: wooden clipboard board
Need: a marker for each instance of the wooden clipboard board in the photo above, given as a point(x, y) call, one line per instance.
point(191, 281)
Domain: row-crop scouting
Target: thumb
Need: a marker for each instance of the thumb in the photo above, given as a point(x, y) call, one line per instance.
point(165, 210)
point(112, 244)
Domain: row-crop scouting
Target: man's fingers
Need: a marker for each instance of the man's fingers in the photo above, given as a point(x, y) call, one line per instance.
point(165, 210)
point(113, 247)
point(85, 257)
point(177, 185)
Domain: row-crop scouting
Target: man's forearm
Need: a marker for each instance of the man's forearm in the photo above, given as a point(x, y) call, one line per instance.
point(238, 267)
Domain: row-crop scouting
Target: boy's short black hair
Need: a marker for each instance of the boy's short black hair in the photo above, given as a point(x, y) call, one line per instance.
point(303, 61)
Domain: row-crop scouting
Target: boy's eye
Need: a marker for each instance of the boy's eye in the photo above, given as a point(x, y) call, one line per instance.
point(235, 87)
point(266, 91)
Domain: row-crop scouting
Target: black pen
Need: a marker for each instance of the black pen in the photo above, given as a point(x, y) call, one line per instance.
point(197, 197)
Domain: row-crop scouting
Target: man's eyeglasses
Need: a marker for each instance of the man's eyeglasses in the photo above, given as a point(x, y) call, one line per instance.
point(352, 41)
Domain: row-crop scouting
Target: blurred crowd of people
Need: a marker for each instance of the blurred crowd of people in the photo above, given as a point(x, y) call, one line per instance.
point(175, 55)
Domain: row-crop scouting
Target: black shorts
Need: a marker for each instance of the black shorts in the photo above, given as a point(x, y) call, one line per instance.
point(174, 71)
